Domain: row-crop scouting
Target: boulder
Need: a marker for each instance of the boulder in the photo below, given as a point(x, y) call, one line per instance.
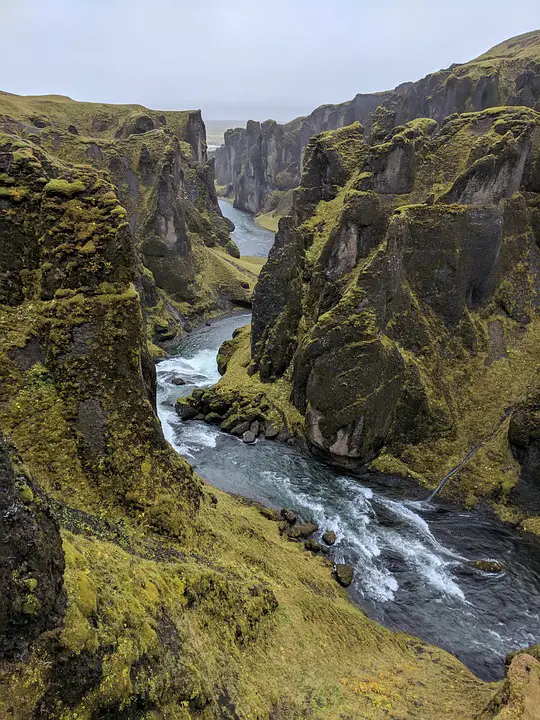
point(329, 537)
point(255, 427)
point(488, 566)
point(185, 410)
point(240, 429)
point(178, 381)
point(248, 437)
point(271, 432)
point(219, 406)
point(289, 515)
point(213, 418)
point(313, 546)
point(343, 574)
point(301, 531)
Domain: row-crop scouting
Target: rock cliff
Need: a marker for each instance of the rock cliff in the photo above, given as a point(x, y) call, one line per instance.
point(257, 163)
point(266, 158)
point(400, 304)
point(188, 266)
point(130, 589)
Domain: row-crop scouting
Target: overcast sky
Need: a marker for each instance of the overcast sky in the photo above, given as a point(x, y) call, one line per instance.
point(242, 59)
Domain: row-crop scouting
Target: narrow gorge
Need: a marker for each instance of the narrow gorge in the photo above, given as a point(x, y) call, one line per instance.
point(219, 446)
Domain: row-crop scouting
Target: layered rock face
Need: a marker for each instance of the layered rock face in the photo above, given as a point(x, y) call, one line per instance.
point(267, 157)
point(401, 298)
point(157, 162)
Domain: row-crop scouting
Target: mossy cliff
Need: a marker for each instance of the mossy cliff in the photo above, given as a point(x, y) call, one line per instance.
point(129, 589)
point(400, 303)
point(260, 163)
point(188, 265)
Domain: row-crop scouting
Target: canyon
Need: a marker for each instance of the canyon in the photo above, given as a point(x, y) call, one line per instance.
point(148, 566)
point(260, 164)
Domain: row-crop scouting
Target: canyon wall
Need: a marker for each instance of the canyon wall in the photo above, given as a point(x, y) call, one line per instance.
point(255, 164)
point(130, 589)
point(187, 264)
point(400, 304)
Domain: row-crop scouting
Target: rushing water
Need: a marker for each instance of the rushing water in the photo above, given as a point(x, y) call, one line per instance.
point(410, 556)
point(250, 238)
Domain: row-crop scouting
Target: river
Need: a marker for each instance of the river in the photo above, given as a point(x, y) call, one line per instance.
point(249, 237)
point(410, 556)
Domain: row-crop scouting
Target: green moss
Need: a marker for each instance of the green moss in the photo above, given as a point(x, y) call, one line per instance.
point(64, 187)
point(26, 493)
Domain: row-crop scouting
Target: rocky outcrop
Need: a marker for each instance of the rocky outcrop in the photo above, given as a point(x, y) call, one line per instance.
point(157, 162)
point(75, 368)
point(401, 298)
point(524, 437)
point(266, 158)
point(31, 560)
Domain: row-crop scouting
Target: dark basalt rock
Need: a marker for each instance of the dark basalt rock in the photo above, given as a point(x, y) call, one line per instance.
point(329, 537)
point(185, 410)
point(343, 574)
point(271, 432)
point(31, 559)
point(249, 437)
point(240, 429)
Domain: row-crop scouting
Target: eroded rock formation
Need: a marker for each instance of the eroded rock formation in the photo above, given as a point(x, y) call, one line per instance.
point(256, 163)
point(157, 163)
point(128, 589)
point(401, 299)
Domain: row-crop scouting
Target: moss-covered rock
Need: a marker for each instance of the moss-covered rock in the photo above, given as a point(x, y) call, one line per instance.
point(157, 165)
point(265, 158)
point(32, 568)
point(400, 302)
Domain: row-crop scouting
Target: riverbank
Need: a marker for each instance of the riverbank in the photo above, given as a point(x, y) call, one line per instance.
point(411, 558)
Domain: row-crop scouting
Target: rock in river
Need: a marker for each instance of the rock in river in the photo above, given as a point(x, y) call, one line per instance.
point(488, 566)
point(343, 574)
point(329, 537)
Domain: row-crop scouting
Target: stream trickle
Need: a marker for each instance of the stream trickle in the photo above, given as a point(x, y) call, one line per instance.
point(410, 556)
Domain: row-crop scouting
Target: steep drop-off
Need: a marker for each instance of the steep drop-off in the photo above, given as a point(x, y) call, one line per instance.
point(258, 163)
point(188, 266)
point(129, 589)
point(400, 305)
